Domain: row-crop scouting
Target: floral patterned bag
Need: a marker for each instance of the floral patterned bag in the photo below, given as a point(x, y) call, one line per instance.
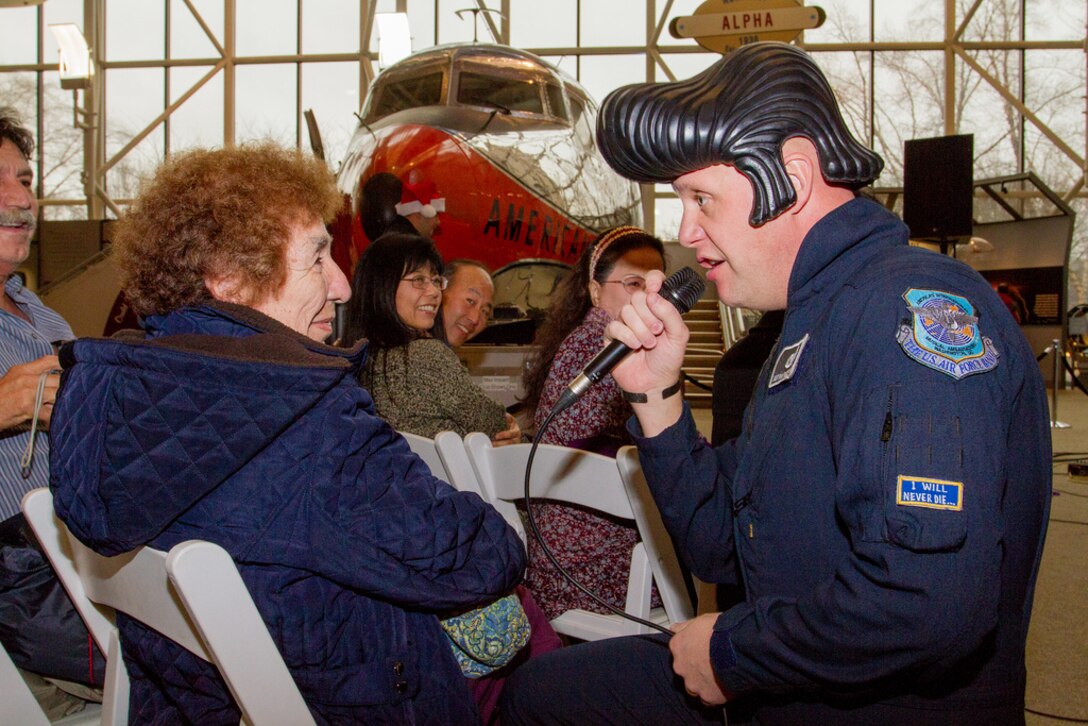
point(487, 638)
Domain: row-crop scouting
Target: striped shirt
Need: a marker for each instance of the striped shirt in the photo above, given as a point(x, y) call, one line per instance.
point(22, 342)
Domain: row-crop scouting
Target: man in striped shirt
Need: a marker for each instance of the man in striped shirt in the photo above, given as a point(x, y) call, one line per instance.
point(38, 626)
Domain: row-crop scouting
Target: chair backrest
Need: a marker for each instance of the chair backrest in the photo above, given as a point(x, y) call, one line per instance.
point(451, 449)
point(208, 583)
point(561, 474)
point(446, 457)
point(17, 703)
point(138, 584)
point(658, 543)
point(576, 477)
point(425, 449)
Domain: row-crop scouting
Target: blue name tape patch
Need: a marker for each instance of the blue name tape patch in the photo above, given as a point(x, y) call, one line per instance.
point(916, 491)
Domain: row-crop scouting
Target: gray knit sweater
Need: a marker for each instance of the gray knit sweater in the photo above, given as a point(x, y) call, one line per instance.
point(422, 388)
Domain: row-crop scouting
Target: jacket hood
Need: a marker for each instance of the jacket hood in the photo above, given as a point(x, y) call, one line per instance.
point(145, 426)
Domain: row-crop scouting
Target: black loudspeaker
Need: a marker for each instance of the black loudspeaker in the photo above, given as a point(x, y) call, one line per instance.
point(937, 187)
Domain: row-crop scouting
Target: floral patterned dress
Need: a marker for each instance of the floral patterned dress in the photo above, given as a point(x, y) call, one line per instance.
point(595, 549)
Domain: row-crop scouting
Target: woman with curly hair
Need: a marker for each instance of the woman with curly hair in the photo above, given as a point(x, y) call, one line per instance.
point(596, 549)
point(229, 419)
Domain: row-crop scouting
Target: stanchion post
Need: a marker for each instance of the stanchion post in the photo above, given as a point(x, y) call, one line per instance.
point(1056, 351)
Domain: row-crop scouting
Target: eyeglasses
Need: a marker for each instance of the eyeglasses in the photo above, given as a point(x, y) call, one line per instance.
point(631, 283)
point(420, 282)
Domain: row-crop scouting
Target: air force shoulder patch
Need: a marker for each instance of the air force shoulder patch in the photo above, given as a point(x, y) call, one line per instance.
point(943, 334)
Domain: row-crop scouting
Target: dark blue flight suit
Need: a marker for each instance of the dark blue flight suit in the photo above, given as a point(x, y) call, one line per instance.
point(887, 499)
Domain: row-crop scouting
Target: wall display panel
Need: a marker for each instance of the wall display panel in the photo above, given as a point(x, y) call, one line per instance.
point(332, 91)
point(604, 73)
point(908, 89)
point(261, 113)
point(198, 121)
point(847, 22)
point(1054, 19)
point(613, 22)
point(187, 38)
point(135, 30)
point(266, 27)
point(918, 20)
point(543, 25)
point(330, 26)
point(851, 80)
point(20, 45)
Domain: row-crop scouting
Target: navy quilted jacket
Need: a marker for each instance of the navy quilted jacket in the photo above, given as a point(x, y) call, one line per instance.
point(223, 425)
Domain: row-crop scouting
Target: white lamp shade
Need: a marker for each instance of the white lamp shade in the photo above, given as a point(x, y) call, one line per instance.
point(76, 67)
point(394, 38)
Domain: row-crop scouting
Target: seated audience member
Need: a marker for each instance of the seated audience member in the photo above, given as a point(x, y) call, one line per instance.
point(39, 627)
point(388, 205)
point(229, 420)
point(466, 302)
point(419, 385)
point(595, 549)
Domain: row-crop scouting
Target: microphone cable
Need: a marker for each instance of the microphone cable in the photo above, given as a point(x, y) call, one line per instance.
point(544, 545)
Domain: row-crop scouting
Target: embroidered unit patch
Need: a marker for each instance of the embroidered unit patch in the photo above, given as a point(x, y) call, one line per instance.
point(916, 491)
point(786, 363)
point(943, 334)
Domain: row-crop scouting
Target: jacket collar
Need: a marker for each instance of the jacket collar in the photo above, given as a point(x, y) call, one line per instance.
point(218, 327)
point(849, 235)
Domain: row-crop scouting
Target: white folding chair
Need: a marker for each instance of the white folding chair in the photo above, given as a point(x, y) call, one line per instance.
point(576, 477)
point(445, 455)
point(659, 548)
point(18, 705)
point(195, 597)
point(52, 535)
point(425, 449)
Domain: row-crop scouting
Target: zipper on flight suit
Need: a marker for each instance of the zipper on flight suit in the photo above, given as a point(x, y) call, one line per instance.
point(888, 427)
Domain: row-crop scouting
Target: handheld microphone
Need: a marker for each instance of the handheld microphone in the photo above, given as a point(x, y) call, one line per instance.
point(682, 288)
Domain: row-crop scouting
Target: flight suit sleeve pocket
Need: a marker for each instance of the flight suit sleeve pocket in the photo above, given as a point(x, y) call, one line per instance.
point(924, 491)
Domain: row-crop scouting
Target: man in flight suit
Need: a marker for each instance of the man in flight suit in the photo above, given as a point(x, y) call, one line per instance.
point(887, 499)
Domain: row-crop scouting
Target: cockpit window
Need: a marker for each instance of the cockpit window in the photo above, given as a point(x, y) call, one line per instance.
point(555, 100)
point(399, 94)
point(508, 94)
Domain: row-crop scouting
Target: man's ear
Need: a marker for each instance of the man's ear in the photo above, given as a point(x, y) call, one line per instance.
point(802, 163)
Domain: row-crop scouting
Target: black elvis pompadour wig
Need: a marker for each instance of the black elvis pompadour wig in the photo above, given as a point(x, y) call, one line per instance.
point(738, 112)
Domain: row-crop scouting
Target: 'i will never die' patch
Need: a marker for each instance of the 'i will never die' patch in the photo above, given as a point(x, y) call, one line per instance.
point(916, 491)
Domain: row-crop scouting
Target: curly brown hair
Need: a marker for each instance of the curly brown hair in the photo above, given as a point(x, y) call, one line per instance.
point(219, 212)
point(571, 301)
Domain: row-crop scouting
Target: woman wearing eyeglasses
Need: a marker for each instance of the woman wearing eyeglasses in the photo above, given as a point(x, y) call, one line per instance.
point(597, 550)
point(418, 384)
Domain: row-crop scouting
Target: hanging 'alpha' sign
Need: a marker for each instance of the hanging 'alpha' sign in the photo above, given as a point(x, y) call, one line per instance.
point(723, 25)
